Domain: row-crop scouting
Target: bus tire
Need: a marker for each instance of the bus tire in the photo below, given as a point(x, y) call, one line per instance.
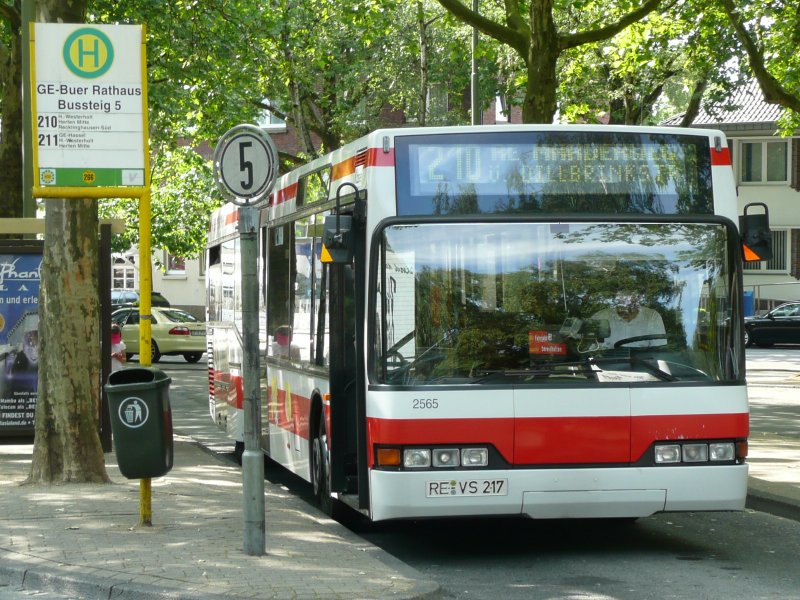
point(320, 468)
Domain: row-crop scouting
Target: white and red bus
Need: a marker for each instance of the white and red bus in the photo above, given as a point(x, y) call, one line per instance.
point(445, 341)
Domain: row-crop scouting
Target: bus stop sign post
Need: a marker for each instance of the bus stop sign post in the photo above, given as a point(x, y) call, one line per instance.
point(245, 169)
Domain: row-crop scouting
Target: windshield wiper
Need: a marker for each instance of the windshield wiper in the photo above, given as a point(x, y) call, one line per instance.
point(540, 370)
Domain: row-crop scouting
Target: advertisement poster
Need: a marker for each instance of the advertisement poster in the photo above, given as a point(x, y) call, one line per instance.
point(20, 271)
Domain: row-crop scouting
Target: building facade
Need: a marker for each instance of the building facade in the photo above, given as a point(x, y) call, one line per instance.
point(767, 169)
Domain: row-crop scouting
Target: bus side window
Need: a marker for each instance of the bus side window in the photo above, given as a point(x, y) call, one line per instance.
point(320, 300)
point(302, 339)
point(279, 280)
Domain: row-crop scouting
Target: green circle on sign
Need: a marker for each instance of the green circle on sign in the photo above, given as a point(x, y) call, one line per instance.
point(88, 53)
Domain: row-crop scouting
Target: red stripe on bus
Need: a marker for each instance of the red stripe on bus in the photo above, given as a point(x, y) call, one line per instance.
point(499, 432)
point(378, 158)
point(559, 440)
point(232, 216)
point(721, 158)
point(645, 429)
point(295, 419)
point(231, 386)
point(571, 440)
point(285, 194)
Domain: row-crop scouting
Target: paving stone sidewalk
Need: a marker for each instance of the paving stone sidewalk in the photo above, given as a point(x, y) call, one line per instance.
point(85, 541)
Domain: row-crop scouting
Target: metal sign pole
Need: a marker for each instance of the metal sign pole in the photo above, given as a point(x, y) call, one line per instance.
point(253, 457)
point(245, 169)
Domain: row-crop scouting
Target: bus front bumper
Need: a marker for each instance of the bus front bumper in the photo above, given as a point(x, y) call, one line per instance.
point(624, 492)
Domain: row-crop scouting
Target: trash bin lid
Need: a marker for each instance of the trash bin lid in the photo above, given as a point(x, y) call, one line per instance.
point(132, 375)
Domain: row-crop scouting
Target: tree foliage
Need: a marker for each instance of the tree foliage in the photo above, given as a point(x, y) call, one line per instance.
point(533, 30)
point(10, 109)
point(769, 33)
point(334, 70)
point(662, 63)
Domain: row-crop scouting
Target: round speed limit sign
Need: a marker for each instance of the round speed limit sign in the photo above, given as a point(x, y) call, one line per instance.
point(245, 164)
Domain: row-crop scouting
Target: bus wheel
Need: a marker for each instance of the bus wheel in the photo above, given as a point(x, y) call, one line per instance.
point(320, 469)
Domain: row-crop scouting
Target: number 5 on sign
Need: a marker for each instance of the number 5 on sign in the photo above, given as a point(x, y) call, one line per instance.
point(245, 164)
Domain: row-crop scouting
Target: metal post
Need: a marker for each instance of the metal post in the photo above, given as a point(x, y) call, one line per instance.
point(145, 331)
point(474, 102)
point(252, 458)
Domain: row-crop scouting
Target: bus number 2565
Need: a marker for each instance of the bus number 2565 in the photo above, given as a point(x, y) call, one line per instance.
point(425, 403)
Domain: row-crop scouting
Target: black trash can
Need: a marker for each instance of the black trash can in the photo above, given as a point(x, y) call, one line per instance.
point(141, 421)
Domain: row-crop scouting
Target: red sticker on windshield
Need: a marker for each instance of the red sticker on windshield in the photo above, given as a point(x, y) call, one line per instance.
point(541, 342)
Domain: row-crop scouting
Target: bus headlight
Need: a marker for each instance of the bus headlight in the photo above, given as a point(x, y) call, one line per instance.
point(388, 457)
point(669, 453)
point(416, 458)
point(722, 451)
point(700, 452)
point(475, 457)
point(445, 457)
point(695, 453)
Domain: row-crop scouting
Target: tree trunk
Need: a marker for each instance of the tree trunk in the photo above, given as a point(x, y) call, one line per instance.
point(67, 445)
point(11, 116)
point(695, 101)
point(540, 103)
point(422, 110)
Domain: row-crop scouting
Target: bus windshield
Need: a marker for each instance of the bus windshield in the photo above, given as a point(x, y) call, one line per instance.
point(589, 302)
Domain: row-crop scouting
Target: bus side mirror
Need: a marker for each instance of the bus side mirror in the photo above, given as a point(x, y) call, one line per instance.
point(755, 233)
point(337, 243)
point(337, 240)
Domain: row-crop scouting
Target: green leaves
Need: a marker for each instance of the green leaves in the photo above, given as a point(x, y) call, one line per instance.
point(335, 69)
point(182, 198)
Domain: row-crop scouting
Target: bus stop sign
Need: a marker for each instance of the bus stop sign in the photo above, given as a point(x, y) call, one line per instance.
point(245, 164)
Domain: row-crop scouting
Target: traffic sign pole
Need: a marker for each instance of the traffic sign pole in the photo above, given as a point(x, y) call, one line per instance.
point(245, 169)
point(252, 457)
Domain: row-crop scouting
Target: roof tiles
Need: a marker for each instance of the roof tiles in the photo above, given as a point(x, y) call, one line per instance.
point(746, 105)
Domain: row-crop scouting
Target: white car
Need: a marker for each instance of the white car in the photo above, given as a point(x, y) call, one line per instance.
point(173, 332)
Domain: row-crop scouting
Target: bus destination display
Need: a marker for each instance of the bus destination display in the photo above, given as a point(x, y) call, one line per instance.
point(593, 167)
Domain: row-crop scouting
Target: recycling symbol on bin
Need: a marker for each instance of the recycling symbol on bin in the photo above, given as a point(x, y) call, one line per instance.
point(133, 412)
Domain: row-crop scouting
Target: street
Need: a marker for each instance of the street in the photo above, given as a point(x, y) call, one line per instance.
point(679, 555)
point(709, 555)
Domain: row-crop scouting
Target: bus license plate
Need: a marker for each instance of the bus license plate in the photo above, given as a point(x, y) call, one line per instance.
point(470, 487)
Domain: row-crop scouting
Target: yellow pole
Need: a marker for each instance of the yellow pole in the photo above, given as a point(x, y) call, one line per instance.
point(145, 281)
point(145, 347)
point(145, 275)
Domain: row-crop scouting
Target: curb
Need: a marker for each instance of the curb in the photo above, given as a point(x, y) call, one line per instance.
point(772, 504)
point(16, 575)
